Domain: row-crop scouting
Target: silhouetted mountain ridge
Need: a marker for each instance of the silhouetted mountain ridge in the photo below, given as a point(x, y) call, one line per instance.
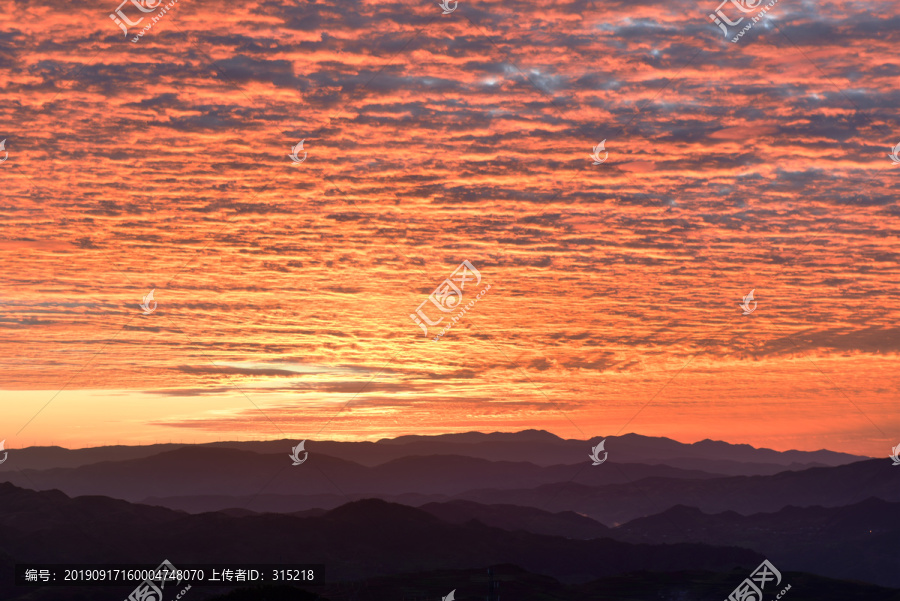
point(856, 541)
point(614, 504)
point(366, 511)
point(533, 446)
point(513, 517)
point(203, 471)
point(362, 539)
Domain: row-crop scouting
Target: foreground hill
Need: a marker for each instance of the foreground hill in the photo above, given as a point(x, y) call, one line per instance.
point(372, 539)
point(511, 582)
point(567, 524)
point(363, 539)
point(858, 541)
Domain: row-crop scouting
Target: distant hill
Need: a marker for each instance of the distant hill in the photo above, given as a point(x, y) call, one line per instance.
point(857, 541)
point(567, 524)
point(290, 504)
point(209, 471)
point(615, 504)
point(263, 503)
point(43, 458)
point(201, 479)
point(543, 448)
point(531, 446)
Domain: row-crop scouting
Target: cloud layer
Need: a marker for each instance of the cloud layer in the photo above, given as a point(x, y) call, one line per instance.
point(432, 139)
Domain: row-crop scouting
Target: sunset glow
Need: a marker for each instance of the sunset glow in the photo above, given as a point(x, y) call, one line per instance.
point(285, 289)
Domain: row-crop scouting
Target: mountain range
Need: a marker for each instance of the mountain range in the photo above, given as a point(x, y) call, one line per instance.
point(532, 446)
point(374, 542)
point(215, 477)
point(458, 503)
point(362, 539)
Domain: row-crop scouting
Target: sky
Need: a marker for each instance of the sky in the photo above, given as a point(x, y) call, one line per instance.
point(603, 292)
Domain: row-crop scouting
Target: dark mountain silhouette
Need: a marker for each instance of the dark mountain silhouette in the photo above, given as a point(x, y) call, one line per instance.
point(266, 503)
point(374, 539)
point(567, 524)
point(193, 471)
point(207, 478)
point(526, 499)
point(857, 541)
point(532, 446)
point(854, 542)
point(543, 448)
point(362, 539)
point(291, 504)
point(43, 458)
point(618, 503)
point(643, 447)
